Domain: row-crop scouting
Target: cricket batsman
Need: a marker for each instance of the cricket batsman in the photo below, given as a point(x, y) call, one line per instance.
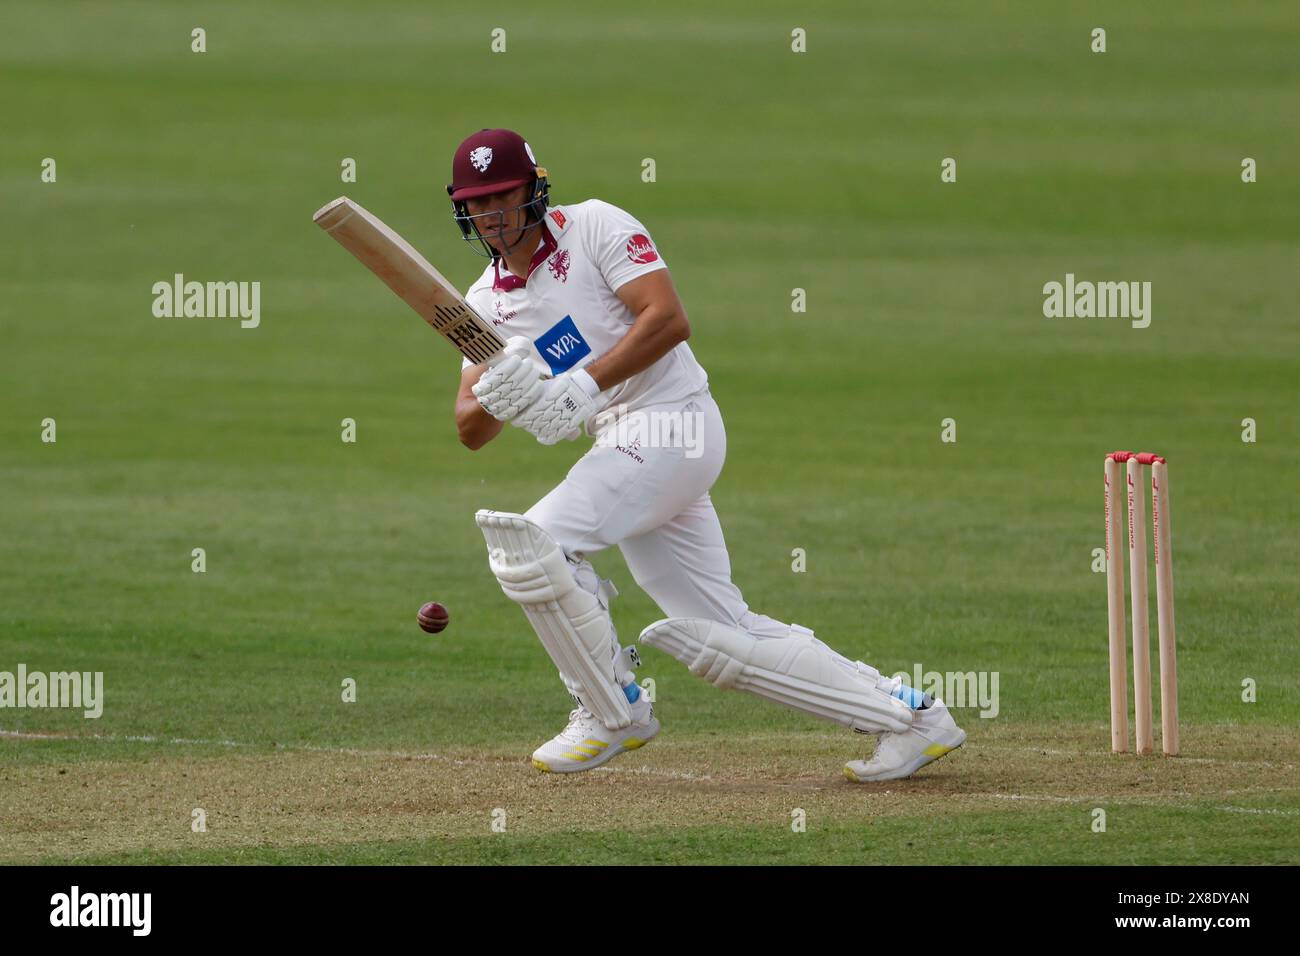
point(596, 346)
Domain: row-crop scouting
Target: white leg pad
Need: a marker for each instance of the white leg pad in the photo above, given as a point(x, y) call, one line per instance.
point(798, 671)
point(573, 625)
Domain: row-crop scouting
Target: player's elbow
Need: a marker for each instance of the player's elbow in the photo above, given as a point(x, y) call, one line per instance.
point(679, 327)
point(471, 437)
point(475, 427)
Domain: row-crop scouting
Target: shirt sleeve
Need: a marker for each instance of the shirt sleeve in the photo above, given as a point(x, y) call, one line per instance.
point(620, 245)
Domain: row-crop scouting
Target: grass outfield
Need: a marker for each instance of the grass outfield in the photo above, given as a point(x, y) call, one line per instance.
point(775, 171)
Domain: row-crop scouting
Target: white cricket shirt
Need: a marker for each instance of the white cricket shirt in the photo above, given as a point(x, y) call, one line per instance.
point(568, 308)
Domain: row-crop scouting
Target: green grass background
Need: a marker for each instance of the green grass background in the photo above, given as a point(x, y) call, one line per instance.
point(775, 171)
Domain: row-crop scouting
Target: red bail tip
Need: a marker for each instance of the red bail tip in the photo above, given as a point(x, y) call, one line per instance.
point(1142, 457)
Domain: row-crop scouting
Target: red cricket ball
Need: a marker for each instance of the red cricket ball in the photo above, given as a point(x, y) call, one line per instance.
point(433, 617)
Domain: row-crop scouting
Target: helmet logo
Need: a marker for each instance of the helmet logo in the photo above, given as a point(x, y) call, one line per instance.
point(481, 158)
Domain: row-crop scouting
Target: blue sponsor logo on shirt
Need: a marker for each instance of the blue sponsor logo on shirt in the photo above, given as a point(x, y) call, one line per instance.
point(563, 346)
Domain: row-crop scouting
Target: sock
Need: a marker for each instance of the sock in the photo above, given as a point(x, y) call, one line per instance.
point(632, 692)
point(912, 697)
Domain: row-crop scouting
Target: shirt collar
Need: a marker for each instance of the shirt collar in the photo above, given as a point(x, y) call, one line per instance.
point(509, 281)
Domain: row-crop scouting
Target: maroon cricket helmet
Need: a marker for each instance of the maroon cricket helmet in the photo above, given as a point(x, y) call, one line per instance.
point(492, 161)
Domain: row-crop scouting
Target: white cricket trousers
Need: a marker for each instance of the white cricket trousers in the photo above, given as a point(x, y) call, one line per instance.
point(651, 499)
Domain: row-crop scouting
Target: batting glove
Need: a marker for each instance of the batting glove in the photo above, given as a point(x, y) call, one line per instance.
point(563, 408)
point(512, 384)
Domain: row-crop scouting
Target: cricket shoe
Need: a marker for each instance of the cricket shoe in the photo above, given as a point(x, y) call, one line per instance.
point(588, 743)
point(933, 733)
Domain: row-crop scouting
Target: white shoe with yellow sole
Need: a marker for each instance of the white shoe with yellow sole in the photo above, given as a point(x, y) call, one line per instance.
point(932, 735)
point(588, 743)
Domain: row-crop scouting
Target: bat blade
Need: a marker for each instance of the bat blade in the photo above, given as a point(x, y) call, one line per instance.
point(411, 276)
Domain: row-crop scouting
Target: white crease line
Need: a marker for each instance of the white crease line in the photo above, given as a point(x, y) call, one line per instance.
point(1043, 797)
point(650, 771)
point(977, 745)
point(1273, 810)
point(116, 738)
point(312, 748)
point(973, 746)
point(23, 735)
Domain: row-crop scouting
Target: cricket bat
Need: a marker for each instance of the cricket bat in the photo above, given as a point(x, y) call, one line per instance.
point(409, 274)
